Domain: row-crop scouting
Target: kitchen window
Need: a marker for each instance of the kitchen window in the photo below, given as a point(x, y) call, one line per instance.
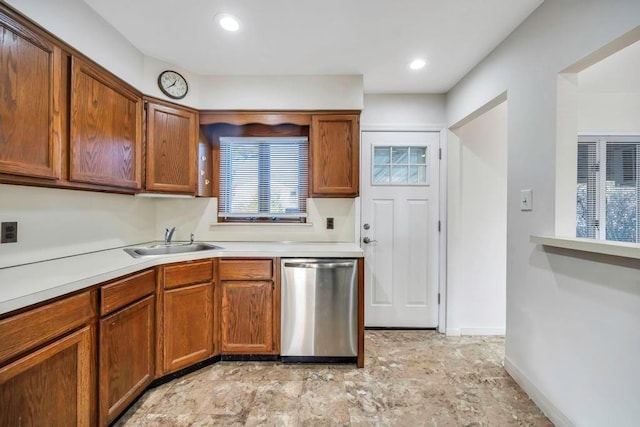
point(263, 179)
point(608, 206)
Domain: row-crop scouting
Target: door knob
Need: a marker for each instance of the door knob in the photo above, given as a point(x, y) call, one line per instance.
point(366, 226)
point(367, 240)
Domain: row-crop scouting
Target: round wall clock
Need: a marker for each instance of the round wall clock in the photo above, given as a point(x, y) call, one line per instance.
point(173, 84)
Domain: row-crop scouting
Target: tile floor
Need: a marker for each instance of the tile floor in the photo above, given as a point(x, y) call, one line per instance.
point(411, 378)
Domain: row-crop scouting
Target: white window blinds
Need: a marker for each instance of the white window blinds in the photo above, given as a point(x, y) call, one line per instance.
point(608, 188)
point(263, 178)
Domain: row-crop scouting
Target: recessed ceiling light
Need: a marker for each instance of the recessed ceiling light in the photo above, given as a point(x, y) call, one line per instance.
point(417, 64)
point(228, 22)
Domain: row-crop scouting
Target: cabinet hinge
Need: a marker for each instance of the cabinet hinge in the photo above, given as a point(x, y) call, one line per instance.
point(440, 153)
point(273, 286)
point(439, 226)
point(438, 298)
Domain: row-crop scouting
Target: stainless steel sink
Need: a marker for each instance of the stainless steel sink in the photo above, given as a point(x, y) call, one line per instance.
point(178, 248)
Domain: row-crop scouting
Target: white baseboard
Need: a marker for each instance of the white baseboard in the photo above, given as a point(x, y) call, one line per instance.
point(456, 332)
point(552, 412)
point(482, 331)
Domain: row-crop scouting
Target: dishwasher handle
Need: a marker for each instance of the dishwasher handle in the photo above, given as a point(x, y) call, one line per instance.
point(320, 265)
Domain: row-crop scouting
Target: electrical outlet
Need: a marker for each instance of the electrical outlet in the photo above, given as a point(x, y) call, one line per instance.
point(9, 232)
point(329, 223)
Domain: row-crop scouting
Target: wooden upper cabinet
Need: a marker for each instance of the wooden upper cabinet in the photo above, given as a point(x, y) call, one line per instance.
point(105, 129)
point(172, 143)
point(30, 123)
point(335, 155)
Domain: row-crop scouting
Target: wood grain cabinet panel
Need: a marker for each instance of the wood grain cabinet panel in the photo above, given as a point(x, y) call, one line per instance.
point(30, 94)
point(105, 129)
point(51, 386)
point(335, 155)
point(120, 293)
point(33, 328)
point(245, 269)
point(247, 317)
point(172, 143)
point(187, 273)
point(127, 357)
point(188, 326)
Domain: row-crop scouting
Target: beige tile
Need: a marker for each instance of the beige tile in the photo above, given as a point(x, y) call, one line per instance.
point(224, 397)
point(324, 403)
point(411, 378)
point(256, 371)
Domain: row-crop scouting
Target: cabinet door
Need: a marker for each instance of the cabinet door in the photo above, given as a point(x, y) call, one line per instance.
point(172, 139)
point(188, 326)
point(52, 385)
point(246, 320)
point(127, 352)
point(30, 123)
point(106, 129)
point(335, 155)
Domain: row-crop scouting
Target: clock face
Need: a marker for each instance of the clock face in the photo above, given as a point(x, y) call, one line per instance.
point(173, 84)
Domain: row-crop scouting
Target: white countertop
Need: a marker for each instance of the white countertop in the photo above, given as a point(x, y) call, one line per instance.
point(29, 284)
point(605, 247)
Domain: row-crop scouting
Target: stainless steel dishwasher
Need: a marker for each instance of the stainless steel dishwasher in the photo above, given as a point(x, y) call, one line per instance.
point(319, 310)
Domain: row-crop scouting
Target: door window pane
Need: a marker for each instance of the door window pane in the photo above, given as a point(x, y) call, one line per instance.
point(404, 165)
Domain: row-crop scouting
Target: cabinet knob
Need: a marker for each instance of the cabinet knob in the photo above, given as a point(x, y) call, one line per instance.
point(204, 158)
point(206, 182)
point(202, 172)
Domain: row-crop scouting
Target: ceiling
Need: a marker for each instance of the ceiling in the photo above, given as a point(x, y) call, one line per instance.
point(375, 38)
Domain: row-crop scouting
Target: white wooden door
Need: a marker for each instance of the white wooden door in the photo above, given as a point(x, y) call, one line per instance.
point(400, 209)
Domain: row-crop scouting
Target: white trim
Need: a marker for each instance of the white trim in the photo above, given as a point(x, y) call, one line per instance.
point(367, 127)
point(442, 196)
point(442, 274)
point(457, 332)
point(604, 247)
point(482, 331)
point(557, 417)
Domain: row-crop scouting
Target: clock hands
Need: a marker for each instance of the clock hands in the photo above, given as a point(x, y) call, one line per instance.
point(172, 84)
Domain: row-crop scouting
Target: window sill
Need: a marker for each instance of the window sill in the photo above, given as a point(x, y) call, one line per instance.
point(261, 224)
point(605, 247)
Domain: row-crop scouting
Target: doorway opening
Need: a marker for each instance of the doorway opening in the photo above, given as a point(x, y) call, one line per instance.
point(477, 223)
point(400, 211)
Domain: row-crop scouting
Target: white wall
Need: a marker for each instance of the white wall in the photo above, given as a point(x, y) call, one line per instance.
point(477, 225)
point(572, 321)
point(609, 112)
point(403, 111)
point(333, 92)
point(53, 223)
point(80, 26)
point(199, 216)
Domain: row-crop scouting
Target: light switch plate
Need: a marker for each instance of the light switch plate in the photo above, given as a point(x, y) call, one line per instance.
point(526, 200)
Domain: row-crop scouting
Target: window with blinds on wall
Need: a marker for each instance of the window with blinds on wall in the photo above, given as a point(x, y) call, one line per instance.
point(608, 186)
point(263, 179)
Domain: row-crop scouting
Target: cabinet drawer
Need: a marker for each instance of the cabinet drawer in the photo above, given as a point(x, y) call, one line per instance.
point(188, 273)
point(38, 326)
point(250, 269)
point(123, 292)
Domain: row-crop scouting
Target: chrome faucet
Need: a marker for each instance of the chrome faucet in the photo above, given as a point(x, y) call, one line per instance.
point(168, 235)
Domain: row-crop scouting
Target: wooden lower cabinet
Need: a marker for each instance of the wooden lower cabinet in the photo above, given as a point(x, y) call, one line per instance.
point(52, 386)
point(247, 314)
point(188, 326)
point(127, 357)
